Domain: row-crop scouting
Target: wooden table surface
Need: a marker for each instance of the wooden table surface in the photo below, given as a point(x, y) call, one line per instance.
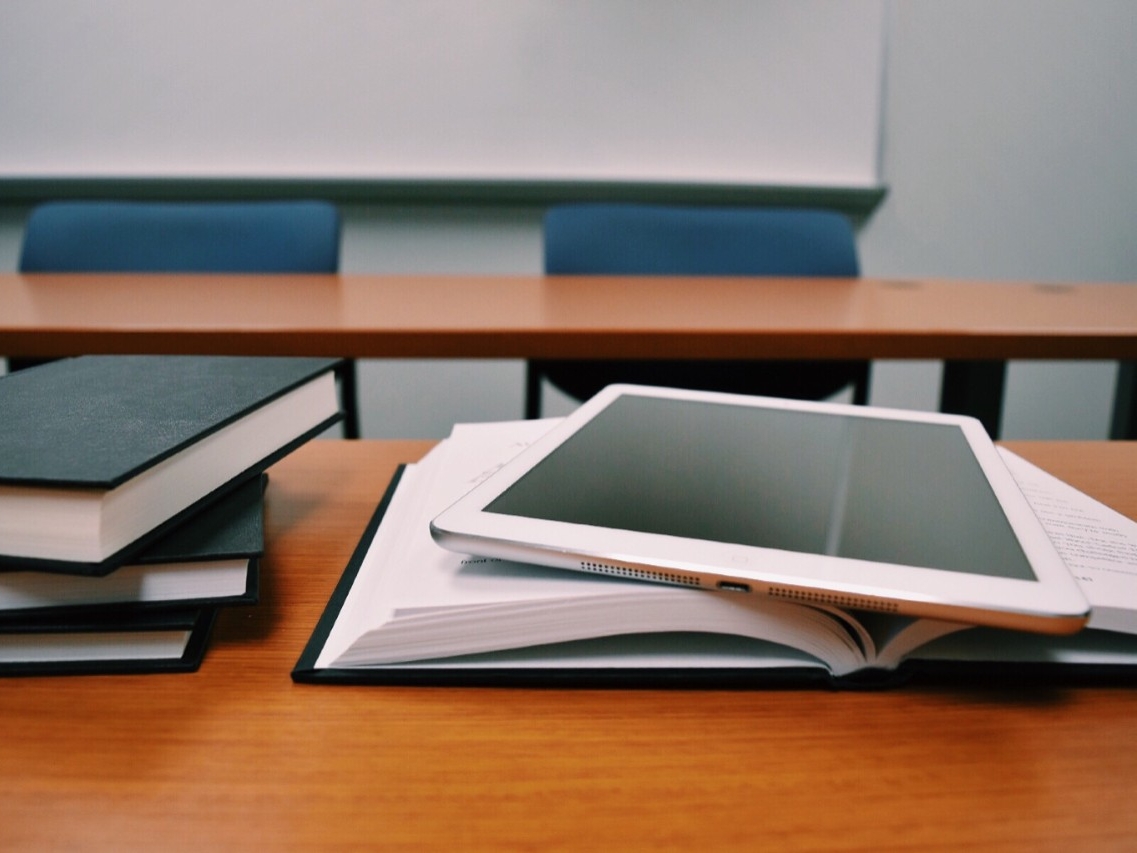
point(392, 316)
point(974, 326)
point(237, 757)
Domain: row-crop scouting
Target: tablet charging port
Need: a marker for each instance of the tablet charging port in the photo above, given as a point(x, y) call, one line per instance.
point(733, 586)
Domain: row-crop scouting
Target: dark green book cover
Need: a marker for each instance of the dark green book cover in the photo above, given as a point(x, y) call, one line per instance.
point(107, 642)
point(100, 425)
point(193, 565)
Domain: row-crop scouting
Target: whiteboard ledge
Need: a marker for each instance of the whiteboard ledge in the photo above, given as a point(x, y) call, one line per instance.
point(853, 201)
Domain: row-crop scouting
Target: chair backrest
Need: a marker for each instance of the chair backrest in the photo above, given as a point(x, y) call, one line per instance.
point(112, 236)
point(614, 239)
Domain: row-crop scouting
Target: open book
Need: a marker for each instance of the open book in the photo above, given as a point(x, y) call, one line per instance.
point(407, 610)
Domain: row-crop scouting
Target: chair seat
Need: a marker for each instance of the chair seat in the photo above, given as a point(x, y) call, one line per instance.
point(184, 237)
point(635, 239)
point(802, 380)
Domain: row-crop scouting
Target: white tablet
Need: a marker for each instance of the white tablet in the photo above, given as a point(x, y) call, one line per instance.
point(864, 508)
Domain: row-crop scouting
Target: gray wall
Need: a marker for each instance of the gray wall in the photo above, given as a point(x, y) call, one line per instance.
point(509, 89)
point(1009, 150)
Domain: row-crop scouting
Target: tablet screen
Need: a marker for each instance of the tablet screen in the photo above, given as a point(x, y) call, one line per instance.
point(862, 487)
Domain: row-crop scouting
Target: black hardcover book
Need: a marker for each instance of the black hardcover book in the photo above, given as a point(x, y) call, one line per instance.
point(107, 642)
point(102, 455)
point(212, 558)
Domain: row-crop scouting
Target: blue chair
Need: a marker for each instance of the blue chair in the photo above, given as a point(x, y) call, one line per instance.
point(630, 239)
point(221, 237)
point(189, 237)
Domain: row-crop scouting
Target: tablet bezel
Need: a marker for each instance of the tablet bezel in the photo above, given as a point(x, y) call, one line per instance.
point(1050, 603)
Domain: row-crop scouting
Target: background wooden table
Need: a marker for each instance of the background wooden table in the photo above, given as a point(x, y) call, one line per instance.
point(391, 316)
point(974, 326)
point(238, 757)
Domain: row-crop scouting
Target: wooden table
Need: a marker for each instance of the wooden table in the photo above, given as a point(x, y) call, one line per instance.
point(974, 326)
point(236, 757)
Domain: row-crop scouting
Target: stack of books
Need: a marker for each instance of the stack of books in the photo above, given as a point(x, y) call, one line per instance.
point(131, 501)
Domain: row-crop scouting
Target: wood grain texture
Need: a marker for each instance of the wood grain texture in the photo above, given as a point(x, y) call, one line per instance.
point(393, 316)
point(238, 757)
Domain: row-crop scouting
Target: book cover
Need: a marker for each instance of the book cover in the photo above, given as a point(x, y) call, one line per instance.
point(210, 559)
point(406, 614)
point(102, 455)
point(107, 642)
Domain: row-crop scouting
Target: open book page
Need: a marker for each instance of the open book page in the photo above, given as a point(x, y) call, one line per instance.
point(994, 645)
point(365, 603)
point(894, 638)
point(414, 600)
point(657, 651)
point(1098, 545)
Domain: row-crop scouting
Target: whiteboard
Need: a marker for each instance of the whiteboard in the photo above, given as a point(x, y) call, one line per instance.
point(746, 92)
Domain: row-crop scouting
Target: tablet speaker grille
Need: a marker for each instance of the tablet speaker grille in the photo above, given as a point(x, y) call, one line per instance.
point(850, 602)
point(639, 574)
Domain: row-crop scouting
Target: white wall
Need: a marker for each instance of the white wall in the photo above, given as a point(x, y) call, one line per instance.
point(1009, 150)
point(450, 89)
point(402, 398)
